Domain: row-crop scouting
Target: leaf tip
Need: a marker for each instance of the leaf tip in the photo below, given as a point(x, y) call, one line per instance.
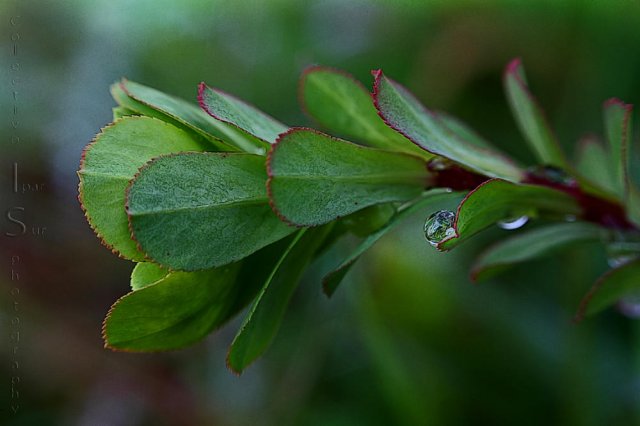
point(202, 87)
point(229, 363)
point(327, 289)
point(616, 102)
point(377, 76)
point(123, 85)
point(514, 66)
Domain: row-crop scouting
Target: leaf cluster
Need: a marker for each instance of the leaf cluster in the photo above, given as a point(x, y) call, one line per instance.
point(222, 206)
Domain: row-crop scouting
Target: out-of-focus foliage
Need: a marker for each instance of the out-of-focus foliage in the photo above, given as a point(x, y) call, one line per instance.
point(392, 347)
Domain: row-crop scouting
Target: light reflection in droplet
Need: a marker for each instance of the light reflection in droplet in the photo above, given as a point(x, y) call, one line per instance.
point(439, 226)
point(511, 224)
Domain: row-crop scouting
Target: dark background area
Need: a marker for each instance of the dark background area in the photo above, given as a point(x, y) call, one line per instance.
point(408, 339)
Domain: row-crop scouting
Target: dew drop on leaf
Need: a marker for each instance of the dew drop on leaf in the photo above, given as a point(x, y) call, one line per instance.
point(439, 226)
point(629, 306)
point(513, 223)
point(618, 260)
point(623, 249)
point(438, 164)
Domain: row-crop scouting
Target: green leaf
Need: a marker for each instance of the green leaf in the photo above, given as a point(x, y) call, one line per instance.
point(333, 279)
point(594, 163)
point(341, 104)
point(530, 117)
point(314, 178)
point(146, 273)
point(633, 205)
point(110, 162)
point(497, 200)
point(178, 112)
point(368, 220)
point(462, 130)
point(261, 128)
point(174, 312)
point(265, 316)
point(120, 111)
point(183, 307)
point(129, 104)
point(532, 245)
point(611, 287)
point(617, 119)
point(196, 211)
point(404, 113)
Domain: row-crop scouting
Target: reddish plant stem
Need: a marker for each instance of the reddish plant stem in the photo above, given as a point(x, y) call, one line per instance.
point(456, 178)
point(598, 210)
point(594, 209)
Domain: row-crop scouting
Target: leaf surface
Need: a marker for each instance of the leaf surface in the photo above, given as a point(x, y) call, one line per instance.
point(261, 128)
point(617, 121)
point(147, 273)
point(120, 111)
point(183, 307)
point(333, 279)
point(532, 245)
point(153, 103)
point(618, 126)
point(594, 163)
point(173, 312)
point(462, 130)
point(265, 315)
point(404, 113)
point(530, 118)
point(314, 178)
point(611, 287)
point(197, 211)
point(110, 162)
point(341, 104)
point(497, 200)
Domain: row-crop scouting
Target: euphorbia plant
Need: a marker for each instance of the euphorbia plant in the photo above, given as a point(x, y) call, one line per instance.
point(221, 206)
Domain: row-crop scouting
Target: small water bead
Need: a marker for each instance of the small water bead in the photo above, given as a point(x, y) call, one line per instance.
point(438, 164)
point(515, 223)
point(623, 249)
point(629, 306)
point(618, 260)
point(439, 226)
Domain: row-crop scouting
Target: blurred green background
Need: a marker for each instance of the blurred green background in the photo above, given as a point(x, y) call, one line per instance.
point(408, 339)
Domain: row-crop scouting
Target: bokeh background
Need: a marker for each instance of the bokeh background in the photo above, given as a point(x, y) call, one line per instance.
point(408, 339)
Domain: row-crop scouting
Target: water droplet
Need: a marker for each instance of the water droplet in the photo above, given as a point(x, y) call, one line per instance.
point(439, 226)
point(630, 306)
point(624, 248)
point(552, 174)
point(619, 260)
point(438, 164)
point(515, 223)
